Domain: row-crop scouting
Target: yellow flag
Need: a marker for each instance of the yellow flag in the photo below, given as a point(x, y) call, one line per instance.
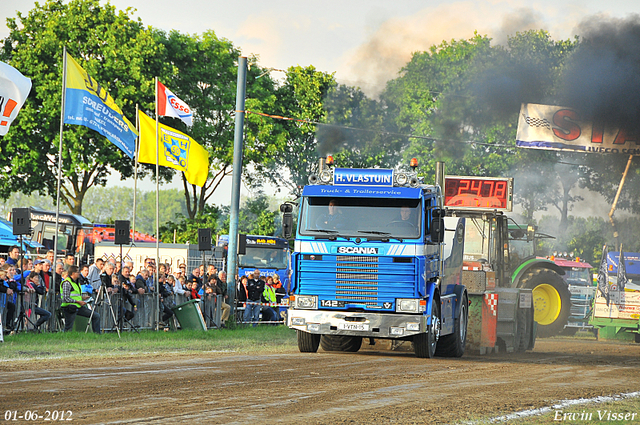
point(177, 150)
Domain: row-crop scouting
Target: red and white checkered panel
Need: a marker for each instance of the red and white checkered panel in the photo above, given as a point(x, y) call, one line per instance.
point(492, 302)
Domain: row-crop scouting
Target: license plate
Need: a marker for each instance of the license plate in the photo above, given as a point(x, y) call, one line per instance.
point(353, 326)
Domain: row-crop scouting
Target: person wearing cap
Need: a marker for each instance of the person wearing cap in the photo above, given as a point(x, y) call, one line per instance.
point(254, 288)
point(46, 273)
point(73, 304)
point(94, 274)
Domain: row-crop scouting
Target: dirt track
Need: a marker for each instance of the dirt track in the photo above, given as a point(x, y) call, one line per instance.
point(365, 387)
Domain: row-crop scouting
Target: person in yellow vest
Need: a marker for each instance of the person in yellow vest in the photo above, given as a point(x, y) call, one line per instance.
point(269, 297)
point(72, 303)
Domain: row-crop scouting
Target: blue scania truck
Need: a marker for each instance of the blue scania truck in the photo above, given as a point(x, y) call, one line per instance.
point(375, 258)
point(269, 254)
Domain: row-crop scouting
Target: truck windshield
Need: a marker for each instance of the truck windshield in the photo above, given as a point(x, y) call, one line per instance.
point(476, 240)
point(577, 276)
point(264, 258)
point(363, 217)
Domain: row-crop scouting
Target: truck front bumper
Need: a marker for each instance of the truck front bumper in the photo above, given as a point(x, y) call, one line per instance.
point(371, 325)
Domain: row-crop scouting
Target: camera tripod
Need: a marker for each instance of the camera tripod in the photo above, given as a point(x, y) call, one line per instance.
point(22, 316)
point(102, 293)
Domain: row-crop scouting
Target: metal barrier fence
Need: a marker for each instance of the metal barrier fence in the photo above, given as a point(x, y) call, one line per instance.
point(147, 316)
point(281, 311)
point(18, 311)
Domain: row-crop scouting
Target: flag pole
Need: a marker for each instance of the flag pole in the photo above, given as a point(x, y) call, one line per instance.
point(135, 173)
point(157, 205)
point(62, 107)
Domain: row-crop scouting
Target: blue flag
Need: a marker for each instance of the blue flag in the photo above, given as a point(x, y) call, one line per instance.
point(89, 104)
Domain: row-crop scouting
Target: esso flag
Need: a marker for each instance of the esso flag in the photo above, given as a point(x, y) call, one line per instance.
point(14, 89)
point(169, 105)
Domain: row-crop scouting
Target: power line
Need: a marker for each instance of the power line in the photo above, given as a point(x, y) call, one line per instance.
point(383, 132)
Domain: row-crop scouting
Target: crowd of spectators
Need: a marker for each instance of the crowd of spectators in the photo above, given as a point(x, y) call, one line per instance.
point(25, 283)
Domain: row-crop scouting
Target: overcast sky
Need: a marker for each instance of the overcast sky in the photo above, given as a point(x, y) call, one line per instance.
point(365, 42)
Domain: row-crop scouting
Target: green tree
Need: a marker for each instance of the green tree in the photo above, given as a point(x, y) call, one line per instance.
point(116, 50)
point(204, 75)
point(300, 97)
point(360, 134)
point(461, 100)
point(185, 229)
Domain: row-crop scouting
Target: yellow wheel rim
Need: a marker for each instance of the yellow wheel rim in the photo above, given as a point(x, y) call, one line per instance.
point(547, 304)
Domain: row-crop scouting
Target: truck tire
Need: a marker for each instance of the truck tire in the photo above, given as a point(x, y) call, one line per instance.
point(308, 343)
point(551, 300)
point(349, 344)
point(424, 344)
point(453, 345)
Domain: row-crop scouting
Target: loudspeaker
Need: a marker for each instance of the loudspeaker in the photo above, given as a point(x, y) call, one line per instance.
point(242, 244)
point(204, 239)
point(21, 221)
point(122, 232)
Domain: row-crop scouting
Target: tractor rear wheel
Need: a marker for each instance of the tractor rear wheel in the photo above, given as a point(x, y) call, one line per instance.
point(551, 300)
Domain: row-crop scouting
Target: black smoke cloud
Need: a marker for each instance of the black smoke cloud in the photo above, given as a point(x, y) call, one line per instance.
point(602, 77)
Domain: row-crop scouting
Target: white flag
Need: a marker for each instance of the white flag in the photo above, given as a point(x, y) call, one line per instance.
point(14, 89)
point(169, 105)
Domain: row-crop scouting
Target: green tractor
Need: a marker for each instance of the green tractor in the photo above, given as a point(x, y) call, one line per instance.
point(551, 296)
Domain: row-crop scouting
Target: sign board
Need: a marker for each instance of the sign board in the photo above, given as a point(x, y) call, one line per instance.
point(479, 193)
point(622, 305)
point(376, 177)
point(551, 127)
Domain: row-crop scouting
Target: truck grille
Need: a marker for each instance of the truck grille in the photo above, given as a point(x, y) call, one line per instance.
point(361, 280)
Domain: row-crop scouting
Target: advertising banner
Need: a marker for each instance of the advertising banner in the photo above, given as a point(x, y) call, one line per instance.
point(558, 128)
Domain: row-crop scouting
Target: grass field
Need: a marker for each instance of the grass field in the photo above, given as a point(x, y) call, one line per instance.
point(28, 346)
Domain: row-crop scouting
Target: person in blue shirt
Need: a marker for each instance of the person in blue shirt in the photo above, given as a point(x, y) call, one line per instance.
point(14, 252)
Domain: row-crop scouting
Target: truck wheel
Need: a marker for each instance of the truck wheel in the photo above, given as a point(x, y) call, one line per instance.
point(453, 345)
point(551, 301)
point(308, 343)
point(424, 344)
point(341, 343)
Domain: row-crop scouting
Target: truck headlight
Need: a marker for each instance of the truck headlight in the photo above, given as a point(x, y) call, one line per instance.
point(401, 179)
point(407, 305)
point(325, 176)
point(308, 302)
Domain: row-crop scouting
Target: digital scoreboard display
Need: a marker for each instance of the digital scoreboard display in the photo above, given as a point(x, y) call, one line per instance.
point(482, 193)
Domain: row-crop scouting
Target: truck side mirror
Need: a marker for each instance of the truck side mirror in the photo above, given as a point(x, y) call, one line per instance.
point(287, 220)
point(437, 230)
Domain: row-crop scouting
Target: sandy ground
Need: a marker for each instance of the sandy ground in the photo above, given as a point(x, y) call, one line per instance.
point(372, 386)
